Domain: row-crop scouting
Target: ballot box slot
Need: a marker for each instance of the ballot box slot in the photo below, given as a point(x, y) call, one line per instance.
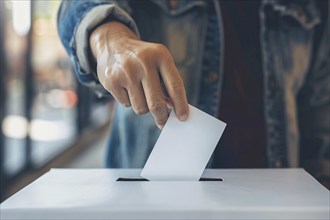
point(211, 179)
point(138, 179)
point(131, 179)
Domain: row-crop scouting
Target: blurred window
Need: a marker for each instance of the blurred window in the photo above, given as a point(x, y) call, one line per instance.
point(43, 110)
point(40, 115)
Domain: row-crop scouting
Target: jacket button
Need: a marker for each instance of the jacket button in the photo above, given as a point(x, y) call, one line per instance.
point(213, 76)
point(173, 3)
point(302, 15)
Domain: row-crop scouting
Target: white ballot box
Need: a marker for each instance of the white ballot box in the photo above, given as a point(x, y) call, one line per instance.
point(243, 194)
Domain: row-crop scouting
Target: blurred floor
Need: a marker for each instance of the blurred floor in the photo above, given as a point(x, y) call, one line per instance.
point(87, 152)
point(92, 157)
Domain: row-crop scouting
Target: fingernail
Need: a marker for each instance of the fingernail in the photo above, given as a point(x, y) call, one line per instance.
point(169, 106)
point(160, 126)
point(183, 117)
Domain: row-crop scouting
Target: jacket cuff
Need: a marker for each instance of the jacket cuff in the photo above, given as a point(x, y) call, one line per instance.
point(81, 55)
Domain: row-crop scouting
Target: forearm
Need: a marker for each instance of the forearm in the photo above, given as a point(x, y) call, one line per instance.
point(76, 21)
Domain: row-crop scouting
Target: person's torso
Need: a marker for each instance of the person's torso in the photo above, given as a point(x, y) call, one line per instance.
point(286, 33)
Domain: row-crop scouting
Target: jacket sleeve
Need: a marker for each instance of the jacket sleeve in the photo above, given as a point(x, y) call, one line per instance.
point(76, 21)
point(314, 114)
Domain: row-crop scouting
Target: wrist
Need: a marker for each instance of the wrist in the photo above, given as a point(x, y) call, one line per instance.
point(109, 35)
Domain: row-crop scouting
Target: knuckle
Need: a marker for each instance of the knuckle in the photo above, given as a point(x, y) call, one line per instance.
point(160, 48)
point(114, 78)
point(177, 88)
point(113, 86)
point(125, 63)
point(131, 78)
point(163, 53)
point(152, 52)
point(142, 55)
point(127, 66)
point(128, 69)
point(133, 68)
point(157, 105)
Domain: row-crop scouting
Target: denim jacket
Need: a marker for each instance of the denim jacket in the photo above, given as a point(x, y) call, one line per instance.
point(295, 63)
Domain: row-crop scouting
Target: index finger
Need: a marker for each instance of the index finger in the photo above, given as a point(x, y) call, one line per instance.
point(175, 87)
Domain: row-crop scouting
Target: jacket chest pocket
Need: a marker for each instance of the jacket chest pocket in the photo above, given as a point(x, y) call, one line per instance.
point(180, 30)
point(289, 32)
point(183, 36)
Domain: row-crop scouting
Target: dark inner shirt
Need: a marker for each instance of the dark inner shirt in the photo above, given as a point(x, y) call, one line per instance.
point(241, 105)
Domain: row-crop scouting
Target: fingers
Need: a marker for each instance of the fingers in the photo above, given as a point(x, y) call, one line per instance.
point(121, 96)
point(155, 98)
point(134, 80)
point(137, 98)
point(113, 82)
point(175, 88)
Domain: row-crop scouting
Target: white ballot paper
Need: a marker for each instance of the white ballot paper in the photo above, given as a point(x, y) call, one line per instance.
point(183, 149)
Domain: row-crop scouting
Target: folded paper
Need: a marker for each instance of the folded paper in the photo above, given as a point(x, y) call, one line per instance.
point(183, 149)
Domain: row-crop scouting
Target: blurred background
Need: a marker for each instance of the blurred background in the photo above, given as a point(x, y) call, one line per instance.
point(47, 119)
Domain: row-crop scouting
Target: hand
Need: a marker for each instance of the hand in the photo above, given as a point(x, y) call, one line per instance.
point(129, 69)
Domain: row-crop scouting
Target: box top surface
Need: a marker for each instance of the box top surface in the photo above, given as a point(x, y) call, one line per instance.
point(95, 193)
